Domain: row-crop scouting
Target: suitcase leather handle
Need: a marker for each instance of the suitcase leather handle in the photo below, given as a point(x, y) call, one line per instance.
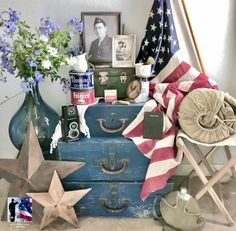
point(115, 171)
point(107, 130)
point(104, 203)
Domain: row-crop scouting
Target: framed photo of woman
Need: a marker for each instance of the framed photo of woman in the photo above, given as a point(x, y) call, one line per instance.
point(123, 50)
point(99, 28)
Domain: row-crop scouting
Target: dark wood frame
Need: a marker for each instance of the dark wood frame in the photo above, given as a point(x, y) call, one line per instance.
point(100, 14)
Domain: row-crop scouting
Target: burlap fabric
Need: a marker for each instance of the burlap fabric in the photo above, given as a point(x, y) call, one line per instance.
point(180, 213)
point(208, 115)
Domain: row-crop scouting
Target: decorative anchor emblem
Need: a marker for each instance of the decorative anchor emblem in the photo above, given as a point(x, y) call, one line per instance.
point(103, 79)
point(123, 78)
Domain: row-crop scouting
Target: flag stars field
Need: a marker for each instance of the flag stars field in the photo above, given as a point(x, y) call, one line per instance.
point(153, 27)
point(151, 14)
point(154, 39)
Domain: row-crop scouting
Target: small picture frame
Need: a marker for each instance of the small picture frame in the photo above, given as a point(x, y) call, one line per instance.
point(99, 29)
point(123, 50)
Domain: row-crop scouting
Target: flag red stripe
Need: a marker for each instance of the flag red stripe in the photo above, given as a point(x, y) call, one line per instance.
point(155, 183)
point(182, 69)
point(162, 154)
point(136, 132)
point(171, 87)
point(202, 81)
point(28, 218)
point(147, 146)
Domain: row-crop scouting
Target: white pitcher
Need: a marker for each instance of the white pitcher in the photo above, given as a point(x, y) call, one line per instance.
point(81, 65)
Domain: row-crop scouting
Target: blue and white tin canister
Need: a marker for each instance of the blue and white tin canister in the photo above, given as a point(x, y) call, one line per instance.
point(82, 80)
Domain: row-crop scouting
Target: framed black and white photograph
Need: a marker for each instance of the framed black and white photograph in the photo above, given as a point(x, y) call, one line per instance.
point(123, 50)
point(99, 28)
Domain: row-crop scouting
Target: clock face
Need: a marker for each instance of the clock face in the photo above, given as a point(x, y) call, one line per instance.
point(134, 89)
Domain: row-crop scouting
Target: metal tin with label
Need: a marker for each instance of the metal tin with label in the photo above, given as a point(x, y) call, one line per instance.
point(82, 80)
point(82, 97)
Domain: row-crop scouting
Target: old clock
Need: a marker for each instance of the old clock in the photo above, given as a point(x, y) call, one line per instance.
point(134, 89)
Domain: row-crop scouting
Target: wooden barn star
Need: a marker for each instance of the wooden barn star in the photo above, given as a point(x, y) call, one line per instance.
point(58, 203)
point(30, 172)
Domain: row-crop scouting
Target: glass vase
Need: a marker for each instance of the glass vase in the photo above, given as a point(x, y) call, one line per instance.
point(43, 117)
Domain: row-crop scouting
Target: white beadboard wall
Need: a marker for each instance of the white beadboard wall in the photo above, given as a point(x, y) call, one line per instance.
point(213, 23)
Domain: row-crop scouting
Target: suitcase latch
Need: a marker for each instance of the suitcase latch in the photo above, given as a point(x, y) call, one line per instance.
point(110, 166)
point(112, 205)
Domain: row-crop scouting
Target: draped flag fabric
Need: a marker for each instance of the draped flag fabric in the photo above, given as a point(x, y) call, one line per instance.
point(174, 79)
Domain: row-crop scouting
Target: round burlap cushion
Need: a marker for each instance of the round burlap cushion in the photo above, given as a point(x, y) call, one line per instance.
point(207, 115)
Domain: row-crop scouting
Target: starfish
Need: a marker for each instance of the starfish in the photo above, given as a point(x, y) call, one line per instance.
point(58, 203)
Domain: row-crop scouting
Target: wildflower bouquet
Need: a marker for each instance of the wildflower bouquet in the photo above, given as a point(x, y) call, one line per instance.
point(35, 56)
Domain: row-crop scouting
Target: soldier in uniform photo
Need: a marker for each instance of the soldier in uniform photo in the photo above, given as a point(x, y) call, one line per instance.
point(12, 209)
point(101, 48)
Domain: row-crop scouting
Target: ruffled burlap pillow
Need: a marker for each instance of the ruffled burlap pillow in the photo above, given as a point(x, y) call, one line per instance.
point(208, 115)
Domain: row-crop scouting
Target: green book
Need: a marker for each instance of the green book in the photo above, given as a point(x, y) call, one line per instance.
point(153, 125)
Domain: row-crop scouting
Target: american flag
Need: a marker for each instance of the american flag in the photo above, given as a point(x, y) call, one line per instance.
point(25, 209)
point(174, 79)
point(160, 41)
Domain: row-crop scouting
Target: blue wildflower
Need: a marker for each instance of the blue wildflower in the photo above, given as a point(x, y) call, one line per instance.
point(77, 23)
point(74, 51)
point(55, 27)
point(47, 32)
point(2, 47)
point(5, 61)
point(80, 27)
point(10, 27)
point(25, 87)
point(37, 52)
point(38, 76)
point(31, 81)
point(73, 21)
point(32, 63)
point(13, 15)
point(8, 49)
point(47, 26)
point(4, 37)
point(10, 67)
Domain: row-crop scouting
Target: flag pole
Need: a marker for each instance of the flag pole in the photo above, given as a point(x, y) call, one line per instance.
point(193, 36)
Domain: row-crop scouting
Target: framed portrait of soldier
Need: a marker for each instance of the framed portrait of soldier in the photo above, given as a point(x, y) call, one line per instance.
point(123, 50)
point(99, 29)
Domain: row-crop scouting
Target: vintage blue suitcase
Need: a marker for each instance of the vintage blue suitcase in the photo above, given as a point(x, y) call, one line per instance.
point(115, 199)
point(106, 159)
point(115, 170)
point(105, 119)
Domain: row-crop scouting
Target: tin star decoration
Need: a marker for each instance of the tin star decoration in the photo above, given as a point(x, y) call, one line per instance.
point(30, 172)
point(58, 203)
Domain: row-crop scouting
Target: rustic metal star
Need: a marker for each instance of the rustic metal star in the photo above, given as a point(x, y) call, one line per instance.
point(30, 172)
point(58, 203)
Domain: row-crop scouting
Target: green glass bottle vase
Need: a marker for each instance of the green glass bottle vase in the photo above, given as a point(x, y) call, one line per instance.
point(43, 117)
